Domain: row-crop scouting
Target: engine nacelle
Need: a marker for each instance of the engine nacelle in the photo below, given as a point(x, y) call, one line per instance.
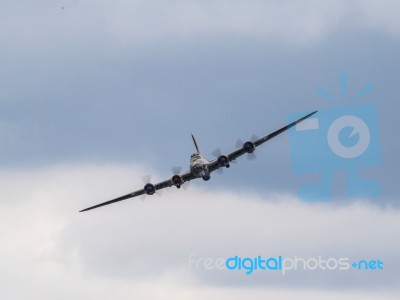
point(149, 189)
point(223, 161)
point(177, 180)
point(206, 177)
point(249, 147)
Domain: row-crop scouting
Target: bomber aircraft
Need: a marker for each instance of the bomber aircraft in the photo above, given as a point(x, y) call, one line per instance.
point(201, 167)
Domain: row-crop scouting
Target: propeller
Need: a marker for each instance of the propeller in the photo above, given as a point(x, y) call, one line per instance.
point(147, 179)
point(177, 170)
point(239, 144)
point(252, 156)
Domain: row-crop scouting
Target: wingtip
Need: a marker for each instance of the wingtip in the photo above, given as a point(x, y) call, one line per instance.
point(313, 113)
point(86, 209)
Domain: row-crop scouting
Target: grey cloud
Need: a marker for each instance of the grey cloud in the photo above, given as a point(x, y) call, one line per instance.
point(122, 104)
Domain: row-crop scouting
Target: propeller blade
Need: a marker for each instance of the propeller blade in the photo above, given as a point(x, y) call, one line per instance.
point(186, 185)
point(146, 179)
point(251, 156)
point(239, 143)
point(217, 153)
point(176, 170)
point(254, 137)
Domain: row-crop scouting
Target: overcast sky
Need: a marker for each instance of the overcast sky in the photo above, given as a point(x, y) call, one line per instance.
point(96, 94)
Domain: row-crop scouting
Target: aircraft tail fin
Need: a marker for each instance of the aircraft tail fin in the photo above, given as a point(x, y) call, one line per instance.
point(195, 144)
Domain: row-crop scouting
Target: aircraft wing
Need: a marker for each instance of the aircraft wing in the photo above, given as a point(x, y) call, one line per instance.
point(131, 195)
point(163, 184)
point(213, 165)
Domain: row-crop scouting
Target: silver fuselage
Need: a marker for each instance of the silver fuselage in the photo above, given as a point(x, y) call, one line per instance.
point(198, 165)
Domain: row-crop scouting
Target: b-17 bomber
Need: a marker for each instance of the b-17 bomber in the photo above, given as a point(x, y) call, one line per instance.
point(200, 167)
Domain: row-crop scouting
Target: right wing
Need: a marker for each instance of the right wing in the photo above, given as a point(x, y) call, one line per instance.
point(214, 165)
point(166, 183)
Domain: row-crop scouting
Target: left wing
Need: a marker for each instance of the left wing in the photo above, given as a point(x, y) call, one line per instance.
point(250, 146)
point(163, 184)
point(131, 195)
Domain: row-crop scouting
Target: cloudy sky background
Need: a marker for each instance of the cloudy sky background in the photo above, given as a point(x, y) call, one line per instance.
point(96, 95)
